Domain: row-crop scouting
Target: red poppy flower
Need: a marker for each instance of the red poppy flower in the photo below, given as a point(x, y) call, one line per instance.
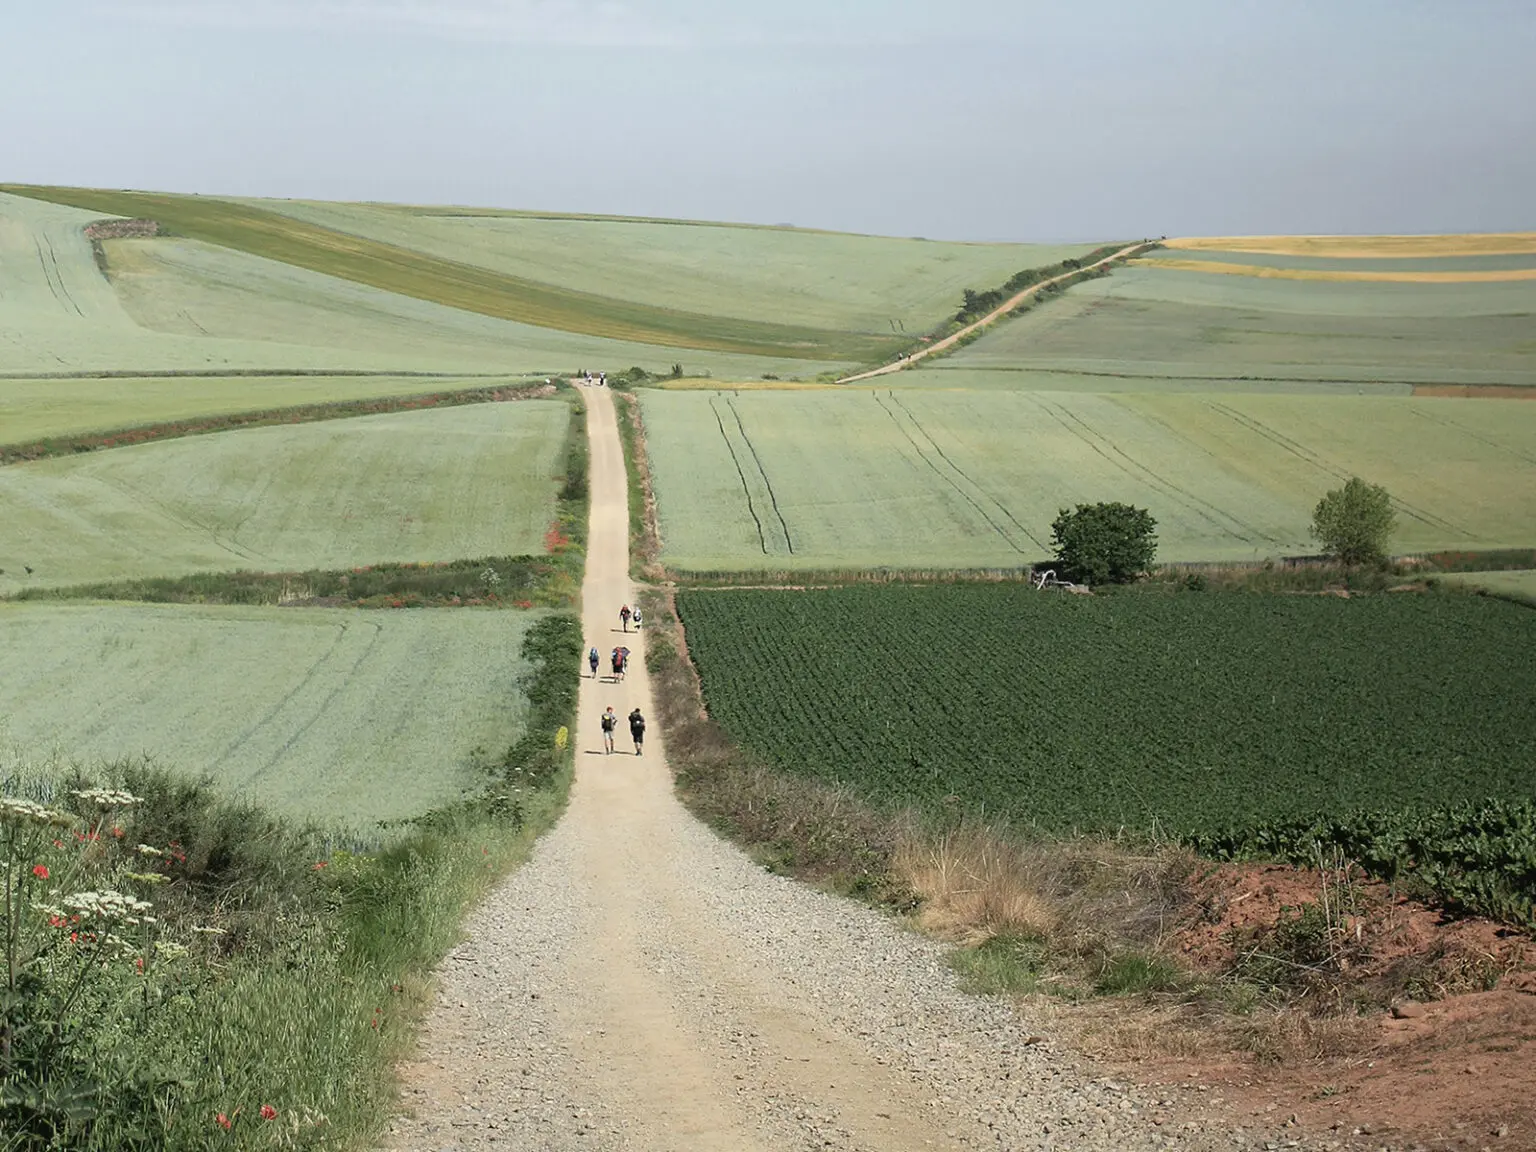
point(223, 1121)
point(268, 1112)
point(40, 871)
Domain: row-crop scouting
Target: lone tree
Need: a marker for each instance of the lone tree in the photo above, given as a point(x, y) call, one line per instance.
point(1104, 543)
point(1354, 522)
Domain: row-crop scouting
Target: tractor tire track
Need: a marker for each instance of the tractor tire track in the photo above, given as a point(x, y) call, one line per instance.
point(1307, 455)
point(1133, 468)
point(324, 705)
point(314, 670)
point(928, 436)
point(762, 540)
point(763, 472)
point(50, 265)
point(950, 480)
point(1465, 431)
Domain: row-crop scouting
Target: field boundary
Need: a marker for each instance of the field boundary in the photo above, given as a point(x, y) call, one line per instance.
point(51, 446)
point(1007, 306)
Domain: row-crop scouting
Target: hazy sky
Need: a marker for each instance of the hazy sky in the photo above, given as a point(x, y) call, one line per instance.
point(993, 119)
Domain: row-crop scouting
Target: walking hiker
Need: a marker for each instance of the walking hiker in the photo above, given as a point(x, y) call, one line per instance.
point(634, 618)
point(610, 722)
point(592, 661)
point(624, 615)
point(637, 730)
point(620, 662)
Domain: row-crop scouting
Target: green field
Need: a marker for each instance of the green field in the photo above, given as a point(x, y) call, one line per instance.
point(1160, 327)
point(443, 484)
point(182, 305)
point(1520, 584)
point(852, 478)
point(413, 273)
point(1185, 713)
point(337, 715)
point(870, 284)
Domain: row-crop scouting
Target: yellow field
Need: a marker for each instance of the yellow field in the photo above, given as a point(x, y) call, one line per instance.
point(1491, 276)
point(1368, 247)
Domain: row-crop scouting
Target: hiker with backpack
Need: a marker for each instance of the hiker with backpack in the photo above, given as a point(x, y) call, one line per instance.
point(624, 615)
point(610, 721)
point(592, 661)
point(637, 730)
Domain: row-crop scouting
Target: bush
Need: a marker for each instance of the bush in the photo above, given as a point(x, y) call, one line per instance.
point(1354, 522)
point(1104, 543)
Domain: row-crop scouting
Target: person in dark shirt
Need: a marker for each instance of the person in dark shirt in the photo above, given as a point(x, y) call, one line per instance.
point(637, 730)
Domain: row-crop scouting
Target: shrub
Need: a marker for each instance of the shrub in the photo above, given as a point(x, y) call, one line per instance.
point(1354, 522)
point(1104, 543)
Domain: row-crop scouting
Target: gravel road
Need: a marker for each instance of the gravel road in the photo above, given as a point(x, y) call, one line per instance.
point(642, 985)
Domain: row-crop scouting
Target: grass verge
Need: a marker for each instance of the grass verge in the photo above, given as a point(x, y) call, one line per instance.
point(644, 533)
point(286, 968)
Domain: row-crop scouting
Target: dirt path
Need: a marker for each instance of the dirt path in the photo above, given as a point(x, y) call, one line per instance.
point(640, 984)
point(990, 318)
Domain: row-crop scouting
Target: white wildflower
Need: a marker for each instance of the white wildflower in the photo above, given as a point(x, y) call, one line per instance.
point(109, 905)
point(169, 949)
point(107, 797)
point(34, 813)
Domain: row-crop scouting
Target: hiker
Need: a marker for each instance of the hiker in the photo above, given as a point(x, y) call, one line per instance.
point(637, 730)
point(610, 722)
point(620, 662)
point(624, 615)
point(592, 661)
point(634, 618)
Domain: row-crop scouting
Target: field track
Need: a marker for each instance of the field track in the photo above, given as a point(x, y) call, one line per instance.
point(641, 985)
point(986, 321)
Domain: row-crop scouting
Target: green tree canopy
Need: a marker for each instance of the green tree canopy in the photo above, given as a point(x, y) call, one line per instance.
point(1354, 522)
point(1104, 543)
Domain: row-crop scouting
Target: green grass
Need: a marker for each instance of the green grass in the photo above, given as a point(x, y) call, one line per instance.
point(1180, 712)
point(1162, 326)
point(434, 485)
point(851, 478)
point(408, 272)
point(326, 714)
point(313, 992)
point(1520, 585)
point(871, 284)
point(184, 306)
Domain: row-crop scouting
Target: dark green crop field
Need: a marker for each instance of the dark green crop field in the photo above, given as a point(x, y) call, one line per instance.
point(1242, 721)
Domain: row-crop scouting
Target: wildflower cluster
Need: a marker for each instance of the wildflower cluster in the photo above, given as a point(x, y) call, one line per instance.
point(29, 812)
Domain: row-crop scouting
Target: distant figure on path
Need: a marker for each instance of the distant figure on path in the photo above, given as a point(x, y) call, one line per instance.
point(637, 730)
point(610, 722)
point(620, 662)
point(592, 661)
point(624, 615)
point(635, 619)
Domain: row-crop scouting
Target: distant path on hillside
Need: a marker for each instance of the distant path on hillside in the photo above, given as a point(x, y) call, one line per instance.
point(642, 985)
point(990, 318)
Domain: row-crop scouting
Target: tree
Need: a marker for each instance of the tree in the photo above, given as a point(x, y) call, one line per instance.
point(1354, 522)
point(1104, 543)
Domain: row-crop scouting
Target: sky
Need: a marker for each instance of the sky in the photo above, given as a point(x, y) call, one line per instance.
point(988, 120)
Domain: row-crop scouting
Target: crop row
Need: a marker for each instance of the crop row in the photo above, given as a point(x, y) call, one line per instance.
point(1201, 716)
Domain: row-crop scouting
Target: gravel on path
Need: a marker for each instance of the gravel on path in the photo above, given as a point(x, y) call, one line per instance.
point(641, 984)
